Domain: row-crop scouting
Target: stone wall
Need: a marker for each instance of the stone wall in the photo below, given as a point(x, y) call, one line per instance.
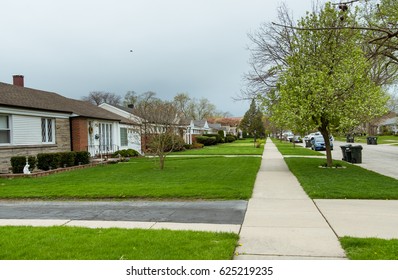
point(63, 144)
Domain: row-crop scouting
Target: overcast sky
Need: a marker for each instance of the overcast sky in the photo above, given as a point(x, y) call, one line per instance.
point(74, 47)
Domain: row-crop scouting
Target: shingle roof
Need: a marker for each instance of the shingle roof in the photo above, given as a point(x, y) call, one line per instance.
point(22, 97)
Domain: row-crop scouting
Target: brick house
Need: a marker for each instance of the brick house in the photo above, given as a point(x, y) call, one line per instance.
point(34, 121)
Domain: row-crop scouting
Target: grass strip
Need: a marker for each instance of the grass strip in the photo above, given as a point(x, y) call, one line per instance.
point(182, 178)
point(239, 147)
point(370, 248)
point(351, 182)
point(73, 243)
point(291, 149)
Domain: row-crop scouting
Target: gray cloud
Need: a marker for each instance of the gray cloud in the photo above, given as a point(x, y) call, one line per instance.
point(74, 47)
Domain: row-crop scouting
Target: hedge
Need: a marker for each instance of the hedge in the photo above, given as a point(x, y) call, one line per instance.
point(82, 157)
point(207, 141)
point(66, 159)
point(126, 153)
point(230, 138)
point(18, 163)
point(218, 137)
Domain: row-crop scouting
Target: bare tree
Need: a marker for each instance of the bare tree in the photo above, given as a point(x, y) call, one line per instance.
point(99, 97)
point(271, 46)
point(130, 98)
point(191, 108)
point(160, 125)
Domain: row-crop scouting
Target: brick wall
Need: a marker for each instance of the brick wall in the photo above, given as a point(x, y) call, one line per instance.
point(79, 131)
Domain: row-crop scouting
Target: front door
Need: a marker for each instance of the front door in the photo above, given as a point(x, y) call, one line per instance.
point(105, 141)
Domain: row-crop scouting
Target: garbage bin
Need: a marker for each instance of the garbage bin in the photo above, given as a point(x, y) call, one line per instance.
point(344, 151)
point(354, 154)
point(350, 138)
point(308, 143)
point(371, 140)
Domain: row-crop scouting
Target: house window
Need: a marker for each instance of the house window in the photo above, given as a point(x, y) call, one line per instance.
point(123, 137)
point(47, 130)
point(5, 132)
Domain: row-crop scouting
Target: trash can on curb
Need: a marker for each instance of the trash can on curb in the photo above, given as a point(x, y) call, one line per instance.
point(371, 140)
point(308, 144)
point(354, 154)
point(350, 138)
point(344, 151)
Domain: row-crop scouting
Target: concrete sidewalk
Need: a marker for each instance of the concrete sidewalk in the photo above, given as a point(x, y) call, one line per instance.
point(122, 224)
point(281, 221)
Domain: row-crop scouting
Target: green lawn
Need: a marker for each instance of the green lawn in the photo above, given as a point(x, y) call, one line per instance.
point(370, 248)
point(239, 147)
point(73, 243)
point(352, 182)
point(288, 149)
point(183, 178)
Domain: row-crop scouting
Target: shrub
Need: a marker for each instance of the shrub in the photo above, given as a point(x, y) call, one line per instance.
point(197, 146)
point(18, 163)
point(82, 157)
point(126, 153)
point(230, 138)
point(207, 141)
point(48, 161)
point(188, 146)
point(219, 138)
point(67, 159)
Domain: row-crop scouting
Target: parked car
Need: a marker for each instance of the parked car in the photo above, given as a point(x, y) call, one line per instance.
point(318, 143)
point(287, 136)
point(297, 139)
point(311, 135)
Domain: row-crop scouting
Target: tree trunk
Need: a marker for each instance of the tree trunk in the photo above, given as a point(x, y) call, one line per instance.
point(161, 161)
point(326, 137)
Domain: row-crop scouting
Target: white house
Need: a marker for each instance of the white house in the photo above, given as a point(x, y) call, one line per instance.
point(128, 133)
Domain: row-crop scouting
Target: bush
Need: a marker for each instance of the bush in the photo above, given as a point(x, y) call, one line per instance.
point(230, 138)
point(67, 159)
point(48, 161)
point(188, 146)
point(126, 153)
point(82, 157)
point(18, 163)
point(219, 138)
point(197, 146)
point(207, 141)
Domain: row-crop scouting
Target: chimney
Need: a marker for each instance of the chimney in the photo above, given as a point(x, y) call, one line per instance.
point(18, 80)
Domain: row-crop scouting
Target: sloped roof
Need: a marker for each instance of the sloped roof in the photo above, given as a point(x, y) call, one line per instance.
point(199, 123)
point(126, 109)
point(28, 98)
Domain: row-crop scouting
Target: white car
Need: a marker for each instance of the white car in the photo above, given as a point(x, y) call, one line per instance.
point(312, 135)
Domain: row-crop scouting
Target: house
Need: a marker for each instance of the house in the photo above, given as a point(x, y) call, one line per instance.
point(383, 124)
point(130, 130)
point(388, 124)
point(228, 125)
point(196, 128)
point(34, 121)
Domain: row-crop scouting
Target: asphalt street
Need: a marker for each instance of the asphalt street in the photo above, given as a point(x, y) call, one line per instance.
point(209, 212)
point(382, 159)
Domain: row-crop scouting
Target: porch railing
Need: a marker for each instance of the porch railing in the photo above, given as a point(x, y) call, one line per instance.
point(102, 150)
